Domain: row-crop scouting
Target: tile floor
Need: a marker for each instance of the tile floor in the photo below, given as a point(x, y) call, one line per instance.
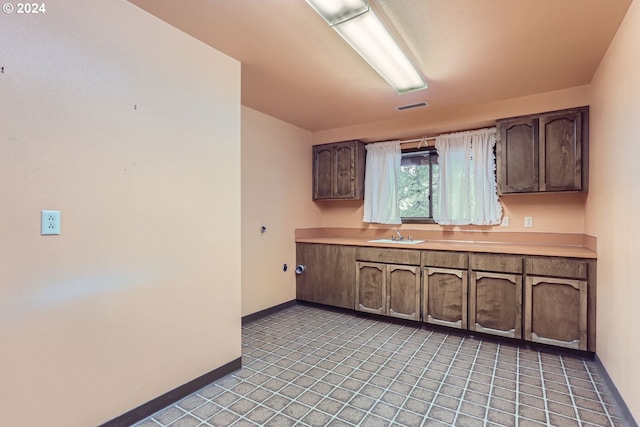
point(307, 366)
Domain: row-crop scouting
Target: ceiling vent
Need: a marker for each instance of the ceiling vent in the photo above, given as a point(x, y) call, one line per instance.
point(411, 106)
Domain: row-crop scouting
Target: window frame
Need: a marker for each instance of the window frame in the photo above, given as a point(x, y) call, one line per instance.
point(423, 220)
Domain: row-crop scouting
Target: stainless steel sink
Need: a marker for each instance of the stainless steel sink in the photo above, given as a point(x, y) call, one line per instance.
point(397, 241)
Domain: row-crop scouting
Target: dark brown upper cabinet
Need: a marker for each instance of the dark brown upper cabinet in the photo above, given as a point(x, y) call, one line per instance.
point(544, 152)
point(338, 171)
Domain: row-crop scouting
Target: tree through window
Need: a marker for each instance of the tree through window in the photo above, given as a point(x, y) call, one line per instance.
point(417, 180)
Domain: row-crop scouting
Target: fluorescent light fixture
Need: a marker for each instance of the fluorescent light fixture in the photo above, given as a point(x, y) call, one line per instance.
point(337, 11)
point(365, 33)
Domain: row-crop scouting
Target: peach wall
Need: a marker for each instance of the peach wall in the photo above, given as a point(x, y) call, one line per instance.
point(276, 193)
point(551, 213)
point(132, 130)
point(613, 205)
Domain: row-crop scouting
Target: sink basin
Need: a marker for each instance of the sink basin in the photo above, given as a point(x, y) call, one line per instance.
point(399, 242)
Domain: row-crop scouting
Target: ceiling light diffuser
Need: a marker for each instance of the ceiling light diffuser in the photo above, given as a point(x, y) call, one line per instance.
point(366, 34)
point(337, 11)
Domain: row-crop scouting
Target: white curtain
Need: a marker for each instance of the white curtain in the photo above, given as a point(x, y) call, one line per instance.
point(466, 191)
point(381, 183)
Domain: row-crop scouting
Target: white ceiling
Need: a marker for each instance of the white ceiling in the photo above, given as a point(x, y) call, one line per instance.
point(297, 69)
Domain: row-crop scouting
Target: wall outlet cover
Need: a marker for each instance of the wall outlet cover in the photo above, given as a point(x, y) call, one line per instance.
point(49, 222)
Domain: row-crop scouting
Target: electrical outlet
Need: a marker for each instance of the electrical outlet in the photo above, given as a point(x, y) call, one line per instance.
point(505, 221)
point(528, 221)
point(50, 222)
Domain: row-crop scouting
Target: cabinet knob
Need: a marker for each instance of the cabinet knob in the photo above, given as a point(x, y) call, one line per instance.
point(300, 269)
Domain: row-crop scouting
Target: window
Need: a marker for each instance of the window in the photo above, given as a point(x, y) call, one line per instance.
point(417, 181)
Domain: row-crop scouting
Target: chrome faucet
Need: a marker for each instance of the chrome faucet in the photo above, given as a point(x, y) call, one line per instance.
point(400, 237)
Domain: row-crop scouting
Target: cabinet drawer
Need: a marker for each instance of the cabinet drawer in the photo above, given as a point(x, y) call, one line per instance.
point(496, 262)
point(557, 267)
point(388, 256)
point(445, 259)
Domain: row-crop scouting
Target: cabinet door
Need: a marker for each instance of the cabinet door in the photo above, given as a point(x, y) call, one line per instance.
point(561, 151)
point(371, 287)
point(517, 155)
point(495, 304)
point(329, 276)
point(403, 283)
point(556, 311)
point(445, 297)
point(308, 256)
point(322, 172)
point(338, 287)
point(344, 170)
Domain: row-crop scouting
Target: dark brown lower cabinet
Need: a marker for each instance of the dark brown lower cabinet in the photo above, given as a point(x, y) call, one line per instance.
point(556, 311)
point(495, 303)
point(495, 294)
point(388, 282)
point(445, 297)
point(388, 289)
point(481, 292)
point(557, 302)
point(371, 287)
point(444, 292)
point(403, 291)
point(329, 275)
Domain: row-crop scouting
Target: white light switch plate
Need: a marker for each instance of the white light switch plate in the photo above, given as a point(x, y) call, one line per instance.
point(528, 221)
point(505, 221)
point(50, 222)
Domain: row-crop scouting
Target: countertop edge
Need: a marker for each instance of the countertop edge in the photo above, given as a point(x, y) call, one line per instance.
point(458, 246)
